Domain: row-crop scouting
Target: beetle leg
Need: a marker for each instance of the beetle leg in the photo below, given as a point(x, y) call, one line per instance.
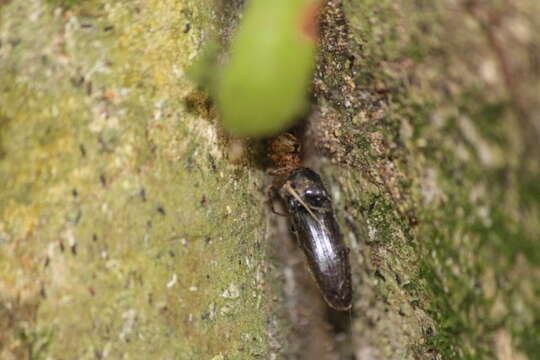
point(270, 195)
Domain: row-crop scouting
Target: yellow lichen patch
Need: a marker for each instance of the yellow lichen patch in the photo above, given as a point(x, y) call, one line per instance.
point(19, 220)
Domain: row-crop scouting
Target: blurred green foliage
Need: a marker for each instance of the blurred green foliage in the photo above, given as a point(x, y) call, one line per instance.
point(264, 85)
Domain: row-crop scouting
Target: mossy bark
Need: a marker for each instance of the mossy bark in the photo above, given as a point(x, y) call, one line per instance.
point(125, 230)
point(132, 226)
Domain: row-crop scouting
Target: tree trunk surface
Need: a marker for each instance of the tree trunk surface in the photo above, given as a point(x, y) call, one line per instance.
point(132, 226)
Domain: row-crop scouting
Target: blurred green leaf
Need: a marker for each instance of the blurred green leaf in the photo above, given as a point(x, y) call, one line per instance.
point(204, 70)
point(264, 86)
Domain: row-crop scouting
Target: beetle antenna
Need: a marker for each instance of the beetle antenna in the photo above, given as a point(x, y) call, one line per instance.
point(291, 191)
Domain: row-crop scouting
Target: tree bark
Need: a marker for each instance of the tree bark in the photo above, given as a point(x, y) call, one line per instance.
point(132, 226)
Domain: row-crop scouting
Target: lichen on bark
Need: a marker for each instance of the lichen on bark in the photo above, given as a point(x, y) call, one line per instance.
point(125, 231)
point(433, 104)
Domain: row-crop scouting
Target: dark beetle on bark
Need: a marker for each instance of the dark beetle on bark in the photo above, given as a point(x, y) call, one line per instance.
point(310, 209)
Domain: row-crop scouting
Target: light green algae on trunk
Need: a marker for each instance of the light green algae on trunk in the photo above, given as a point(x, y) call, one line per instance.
point(124, 231)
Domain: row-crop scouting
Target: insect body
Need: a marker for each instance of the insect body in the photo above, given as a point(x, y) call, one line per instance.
point(310, 209)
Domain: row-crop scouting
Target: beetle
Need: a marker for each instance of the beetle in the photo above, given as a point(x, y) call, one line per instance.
point(310, 209)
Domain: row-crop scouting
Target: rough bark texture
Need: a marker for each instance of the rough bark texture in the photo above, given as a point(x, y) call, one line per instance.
point(131, 226)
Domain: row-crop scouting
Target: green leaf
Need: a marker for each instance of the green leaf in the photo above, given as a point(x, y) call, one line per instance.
point(265, 84)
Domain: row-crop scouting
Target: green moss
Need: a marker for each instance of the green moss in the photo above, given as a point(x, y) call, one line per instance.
point(381, 216)
point(467, 309)
point(444, 152)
